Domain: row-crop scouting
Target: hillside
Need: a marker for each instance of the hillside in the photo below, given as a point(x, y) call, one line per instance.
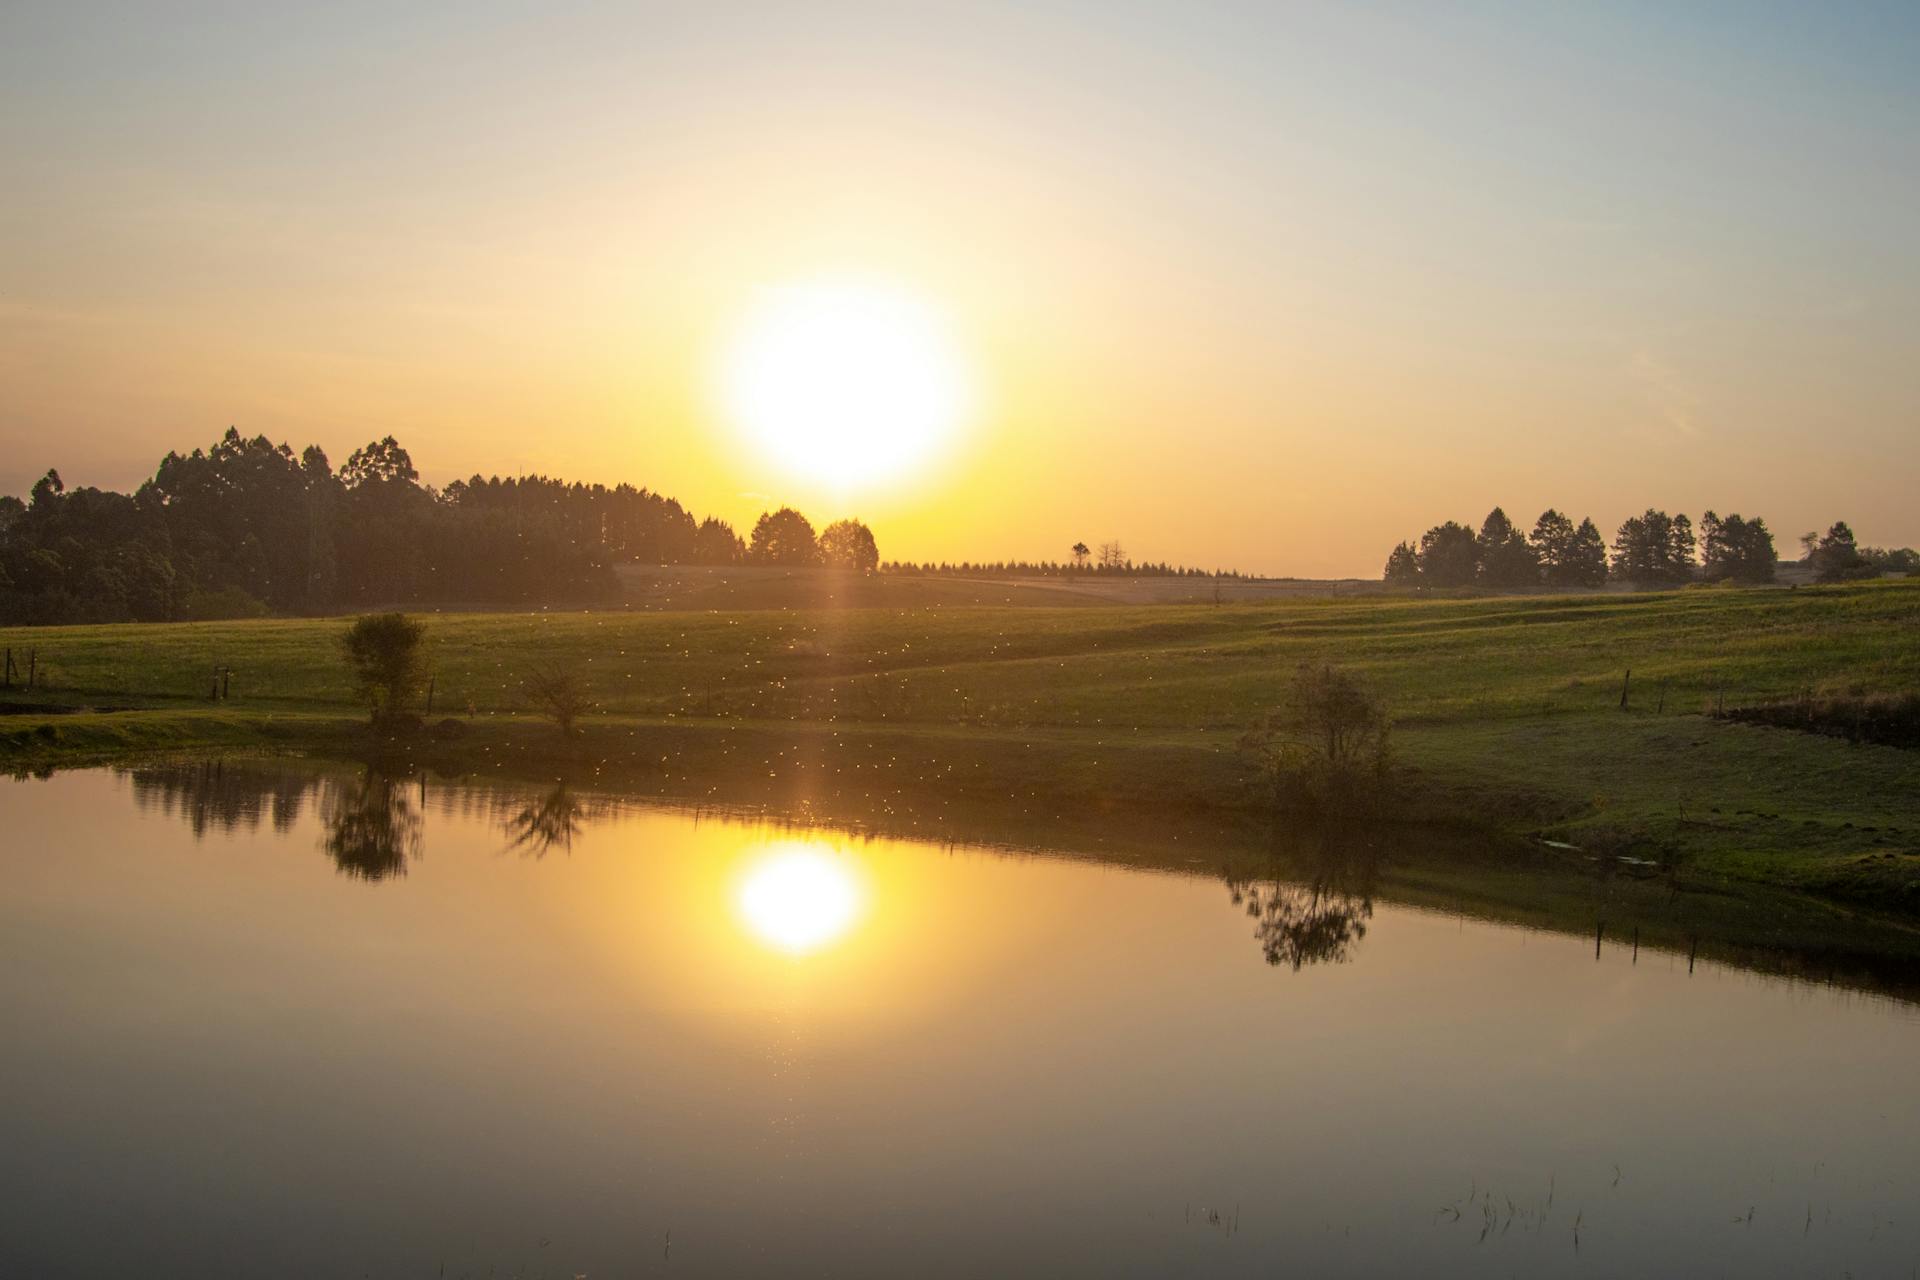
point(1507, 710)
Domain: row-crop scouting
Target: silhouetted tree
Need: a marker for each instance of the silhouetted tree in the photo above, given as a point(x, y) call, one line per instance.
point(1449, 555)
point(1507, 561)
point(382, 462)
point(1553, 536)
point(1654, 549)
point(1680, 548)
point(715, 542)
point(783, 537)
point(1326, 747)
point(849, 544)
point(1736, 549)
point(1904, 560)
point(384, 654)
point(1080, 553)
point(1403, 565)
point(558, 690)
point(1588, 566)
point(1113, 557)
point(1836, 557)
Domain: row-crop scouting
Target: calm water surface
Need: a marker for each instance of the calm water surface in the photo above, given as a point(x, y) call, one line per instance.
point(286, 1024)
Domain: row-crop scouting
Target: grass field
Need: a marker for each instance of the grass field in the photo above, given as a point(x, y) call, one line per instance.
point(1507, 710)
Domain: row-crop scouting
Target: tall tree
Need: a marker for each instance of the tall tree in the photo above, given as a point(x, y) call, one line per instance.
point(1587, 562)
point(384, 461)
point(1680, 548)
point(1449, 555)
point(782, 537)
point(1403, 565)
point(1836, 557)
point(1654, 549)
point(1553, 546)
point(1736, 549)
point(849, 544)
point(1508, 561)
point(715, 542)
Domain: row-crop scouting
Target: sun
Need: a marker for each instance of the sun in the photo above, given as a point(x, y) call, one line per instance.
point(845, 381)
point(797, 899)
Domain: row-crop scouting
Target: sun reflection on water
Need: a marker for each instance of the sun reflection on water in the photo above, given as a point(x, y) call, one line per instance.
point(799, 899)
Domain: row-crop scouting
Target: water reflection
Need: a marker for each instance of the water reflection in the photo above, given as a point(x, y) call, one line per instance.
point(1311, 899)
point(988, 1063)
point(213, 795)
point(372, 825)
point(546, 823)
point(1318, 917)
point(799, 898)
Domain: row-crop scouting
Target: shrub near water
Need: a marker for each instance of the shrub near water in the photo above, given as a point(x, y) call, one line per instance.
point(1325, 750)
point(384, 652)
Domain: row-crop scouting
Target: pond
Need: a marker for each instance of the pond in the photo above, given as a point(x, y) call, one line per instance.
point(278, 1019)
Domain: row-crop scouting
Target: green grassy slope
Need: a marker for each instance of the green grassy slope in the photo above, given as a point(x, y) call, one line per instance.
point(1507, 709)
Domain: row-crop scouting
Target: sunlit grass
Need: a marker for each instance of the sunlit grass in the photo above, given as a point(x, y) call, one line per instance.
point(1508, 709)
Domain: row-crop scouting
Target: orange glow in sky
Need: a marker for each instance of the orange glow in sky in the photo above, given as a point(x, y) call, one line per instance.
point(1267, 287)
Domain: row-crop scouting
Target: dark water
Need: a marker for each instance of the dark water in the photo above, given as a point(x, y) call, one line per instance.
point(280, 1024)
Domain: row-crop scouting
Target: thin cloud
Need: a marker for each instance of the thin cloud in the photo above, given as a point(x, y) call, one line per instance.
point(1673, 398)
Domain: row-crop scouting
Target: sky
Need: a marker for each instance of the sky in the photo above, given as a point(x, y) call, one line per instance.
point(1265, 286)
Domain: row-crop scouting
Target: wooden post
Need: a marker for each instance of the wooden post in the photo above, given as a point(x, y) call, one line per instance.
point(1599, 933)
point(33, 666)
point(213, 692)
point(1625, 685)
point(1662, 708)
point(226, 682)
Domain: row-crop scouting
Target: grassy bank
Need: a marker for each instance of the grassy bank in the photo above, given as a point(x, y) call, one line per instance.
point(1507, 710)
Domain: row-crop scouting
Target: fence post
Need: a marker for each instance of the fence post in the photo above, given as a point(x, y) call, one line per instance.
point(1625, 685)
point(33, 666)
point(226, 682)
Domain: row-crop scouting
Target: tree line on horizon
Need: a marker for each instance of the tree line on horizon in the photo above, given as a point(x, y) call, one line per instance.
point(1649, 550)
point(1111, 560)
point(248, 527)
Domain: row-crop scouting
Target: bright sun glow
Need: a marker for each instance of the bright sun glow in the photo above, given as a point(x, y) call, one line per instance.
point(799, 899)
point(845, 381)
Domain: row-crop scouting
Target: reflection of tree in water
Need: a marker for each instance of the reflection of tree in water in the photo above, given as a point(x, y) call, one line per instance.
point(1319, 919)
point(372, 826)
point(215, 795)
point(372, 822)
point(548, 822)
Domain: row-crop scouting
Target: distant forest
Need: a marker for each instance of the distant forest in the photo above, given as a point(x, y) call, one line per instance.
point(249, 527)
point(1110, 560)
point(1649, 550)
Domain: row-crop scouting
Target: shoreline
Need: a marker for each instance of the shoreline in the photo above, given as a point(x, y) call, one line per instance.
point(904, 780)
point(1452, 871)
